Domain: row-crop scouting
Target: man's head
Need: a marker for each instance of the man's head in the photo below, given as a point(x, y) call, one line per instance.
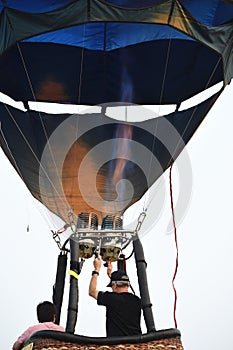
point(46, 312)
point(119, 278)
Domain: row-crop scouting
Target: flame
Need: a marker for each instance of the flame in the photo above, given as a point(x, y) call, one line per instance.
point(123, 135)
point(124, 132)
point(121, 154)
point(126, 87)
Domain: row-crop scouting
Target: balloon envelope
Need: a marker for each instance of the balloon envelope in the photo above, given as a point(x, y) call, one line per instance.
point(94, 52)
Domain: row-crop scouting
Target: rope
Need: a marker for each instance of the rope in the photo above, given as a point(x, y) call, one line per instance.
point(44, 214)
point(146, 205)
point(50, 181)
point(176, 243)
point(81, 65)
point(29, 147)
point(75, 156)
point(8, 148)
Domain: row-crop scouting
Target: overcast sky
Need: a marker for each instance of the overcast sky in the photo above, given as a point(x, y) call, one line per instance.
point(205, 238)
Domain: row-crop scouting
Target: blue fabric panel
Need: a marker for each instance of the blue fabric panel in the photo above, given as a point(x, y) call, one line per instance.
point(224, 13)
point(209, 12)
point(93, 37)
point(36, 5)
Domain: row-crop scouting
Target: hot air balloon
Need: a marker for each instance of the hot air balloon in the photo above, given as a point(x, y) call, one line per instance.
point(87, 167)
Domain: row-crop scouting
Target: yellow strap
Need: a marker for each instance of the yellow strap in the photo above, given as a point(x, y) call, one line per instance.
point(28, 347)
point(72, 273)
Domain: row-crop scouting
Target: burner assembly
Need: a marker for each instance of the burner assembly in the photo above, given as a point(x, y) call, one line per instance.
point(107, 240)
point(111, 246)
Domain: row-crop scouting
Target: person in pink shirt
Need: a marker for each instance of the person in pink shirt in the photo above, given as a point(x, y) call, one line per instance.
point(46, 314)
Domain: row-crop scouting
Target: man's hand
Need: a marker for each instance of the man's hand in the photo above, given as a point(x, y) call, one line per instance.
point(93, 292)
point(97, 264)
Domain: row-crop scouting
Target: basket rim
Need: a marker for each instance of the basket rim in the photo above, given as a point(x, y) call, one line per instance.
point(81, 339)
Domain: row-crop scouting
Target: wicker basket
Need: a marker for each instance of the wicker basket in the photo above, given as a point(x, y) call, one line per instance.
point(51, 340)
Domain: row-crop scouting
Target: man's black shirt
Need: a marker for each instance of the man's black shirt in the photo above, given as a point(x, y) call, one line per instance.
point(123, 313)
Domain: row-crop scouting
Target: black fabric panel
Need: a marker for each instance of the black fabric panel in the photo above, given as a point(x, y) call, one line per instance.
point(24, 137)
point(137, 74)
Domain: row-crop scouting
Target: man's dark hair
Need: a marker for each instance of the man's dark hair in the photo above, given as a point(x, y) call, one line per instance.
point(46, 311)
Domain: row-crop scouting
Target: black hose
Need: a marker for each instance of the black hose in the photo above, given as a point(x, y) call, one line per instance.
point(72, 311)
point(143, 285)
point(58, 290)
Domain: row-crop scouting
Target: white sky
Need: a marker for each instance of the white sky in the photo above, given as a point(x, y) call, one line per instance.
point(204, 282)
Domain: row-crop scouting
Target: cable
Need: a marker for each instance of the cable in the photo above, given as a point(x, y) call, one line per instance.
point(176, 244)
